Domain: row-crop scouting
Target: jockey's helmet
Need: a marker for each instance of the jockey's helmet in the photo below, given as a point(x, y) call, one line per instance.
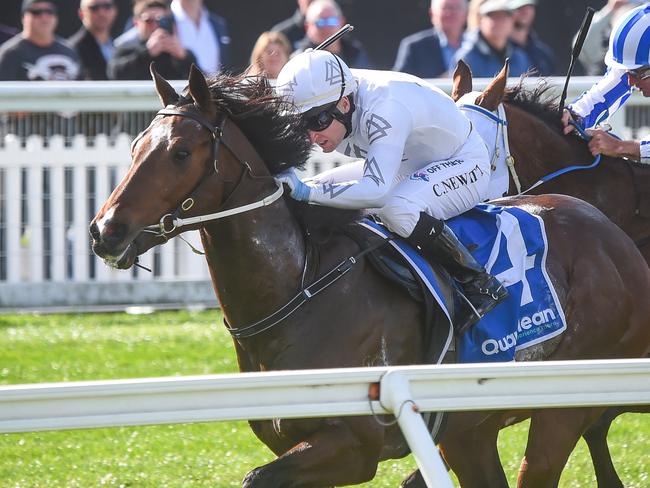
point(629, 43)
point(315, 79)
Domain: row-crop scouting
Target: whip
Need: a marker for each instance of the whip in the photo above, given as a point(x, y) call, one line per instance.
point(577, 47)
point(334, 37)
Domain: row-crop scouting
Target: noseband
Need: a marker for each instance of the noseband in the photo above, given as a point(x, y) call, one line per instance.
point(226, 132)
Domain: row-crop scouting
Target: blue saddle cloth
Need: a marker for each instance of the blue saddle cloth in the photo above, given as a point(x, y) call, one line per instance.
point(511, 244)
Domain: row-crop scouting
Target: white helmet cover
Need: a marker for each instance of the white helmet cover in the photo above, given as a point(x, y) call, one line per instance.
point(314, 79)
point(629, 43)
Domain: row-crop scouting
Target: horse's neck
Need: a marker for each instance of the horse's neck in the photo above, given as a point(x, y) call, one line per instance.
point(256, 261)
point(539, 150)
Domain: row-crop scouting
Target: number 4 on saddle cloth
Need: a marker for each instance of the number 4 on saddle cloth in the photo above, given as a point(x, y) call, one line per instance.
point(511, 244)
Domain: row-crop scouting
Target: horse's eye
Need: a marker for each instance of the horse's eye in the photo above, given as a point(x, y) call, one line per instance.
point(181, 155)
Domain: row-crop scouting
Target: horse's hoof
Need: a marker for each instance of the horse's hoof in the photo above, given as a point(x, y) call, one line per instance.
point(260, 478)
point(414, 480)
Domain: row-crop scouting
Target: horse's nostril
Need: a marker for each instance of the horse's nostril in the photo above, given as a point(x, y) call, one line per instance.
point(114, 232)
point(94, 231)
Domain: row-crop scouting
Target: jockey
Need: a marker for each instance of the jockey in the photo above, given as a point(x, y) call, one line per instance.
point(421, 161)
point(629, 68)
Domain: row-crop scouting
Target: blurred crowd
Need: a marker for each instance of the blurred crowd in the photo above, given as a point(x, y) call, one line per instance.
point(176, 33)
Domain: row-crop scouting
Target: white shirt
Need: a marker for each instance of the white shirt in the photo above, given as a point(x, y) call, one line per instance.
point(400, 125)
point(201, 40)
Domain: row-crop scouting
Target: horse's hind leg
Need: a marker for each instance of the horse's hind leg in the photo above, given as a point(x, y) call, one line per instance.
point(596, 438)
point(552, 437)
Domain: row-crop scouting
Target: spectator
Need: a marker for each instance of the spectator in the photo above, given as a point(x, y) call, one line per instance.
point(294, 26)
point(595, 46)
point(270, 53)
point(157, 41)
point(429, 53)
point(6, 33)
point(472, 14)
point(524, 36)
point(487, 48)
point(204, 33)
point(36, 53)
point(628, 62)
point(93, 42)
point(324, 18)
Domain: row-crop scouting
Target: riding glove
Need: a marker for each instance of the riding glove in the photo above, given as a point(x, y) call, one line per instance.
point(299, 190)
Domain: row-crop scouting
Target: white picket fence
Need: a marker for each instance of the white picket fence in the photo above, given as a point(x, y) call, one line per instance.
point(51, 186)
point(404, 391)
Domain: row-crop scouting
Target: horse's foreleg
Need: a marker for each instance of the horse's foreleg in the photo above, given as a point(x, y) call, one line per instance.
point(472, 454)
point(552, 436)
point(343, 452)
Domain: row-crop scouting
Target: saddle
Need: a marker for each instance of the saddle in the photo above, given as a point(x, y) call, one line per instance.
point(389, 263)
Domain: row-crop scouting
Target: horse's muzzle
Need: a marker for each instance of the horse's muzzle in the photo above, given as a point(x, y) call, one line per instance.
point(111, 244)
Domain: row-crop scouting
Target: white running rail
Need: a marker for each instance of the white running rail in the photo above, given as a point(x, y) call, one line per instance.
point(339, 392)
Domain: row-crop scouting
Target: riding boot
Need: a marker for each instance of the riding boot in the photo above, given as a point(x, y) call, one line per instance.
point(482, 290)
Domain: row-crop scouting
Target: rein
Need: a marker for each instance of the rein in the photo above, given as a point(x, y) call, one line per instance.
point(303, 296)
point(502, 127)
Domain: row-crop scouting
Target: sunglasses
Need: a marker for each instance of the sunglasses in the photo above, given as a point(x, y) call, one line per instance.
point(640, 73)
point(327, 22)
point(37, 12)
point(150, 20)
point(101, 6)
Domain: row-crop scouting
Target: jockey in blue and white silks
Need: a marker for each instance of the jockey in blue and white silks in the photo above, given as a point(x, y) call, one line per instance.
point(421, 162)
point(628, 61)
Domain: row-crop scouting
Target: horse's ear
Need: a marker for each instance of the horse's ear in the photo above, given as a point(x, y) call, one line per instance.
point(166, 92)
point(462, 81)
point(199, 90)
point(493, 94)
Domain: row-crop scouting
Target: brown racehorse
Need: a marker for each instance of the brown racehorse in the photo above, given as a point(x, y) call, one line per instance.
point(201, 145)
point(618, 187)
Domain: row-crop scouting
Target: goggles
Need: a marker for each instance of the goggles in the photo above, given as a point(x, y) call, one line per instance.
point(327, 22)
point(322, 119)
point(642, 73)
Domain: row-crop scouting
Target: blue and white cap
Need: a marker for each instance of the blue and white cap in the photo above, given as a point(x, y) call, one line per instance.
point(629, 43)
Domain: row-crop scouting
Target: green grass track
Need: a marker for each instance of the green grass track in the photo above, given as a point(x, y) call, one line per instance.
point(45, 348)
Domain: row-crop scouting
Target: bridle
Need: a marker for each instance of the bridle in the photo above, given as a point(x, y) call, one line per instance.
point(227, 133)
point(501, 134)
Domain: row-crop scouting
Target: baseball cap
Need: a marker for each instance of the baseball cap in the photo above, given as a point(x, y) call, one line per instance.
point(28, 3)
point(515, 4)
point(490, 6)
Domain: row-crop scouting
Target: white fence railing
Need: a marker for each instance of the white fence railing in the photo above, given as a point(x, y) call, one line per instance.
point(406, 390)
point(63, 147)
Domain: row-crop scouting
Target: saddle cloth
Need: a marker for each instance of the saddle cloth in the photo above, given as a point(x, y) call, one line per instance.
point(511, 244)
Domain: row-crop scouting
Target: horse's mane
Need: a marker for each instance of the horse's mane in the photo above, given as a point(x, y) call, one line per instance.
point(537, 102)
point(269, 122)
point(540, 103)
point(277, 132)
